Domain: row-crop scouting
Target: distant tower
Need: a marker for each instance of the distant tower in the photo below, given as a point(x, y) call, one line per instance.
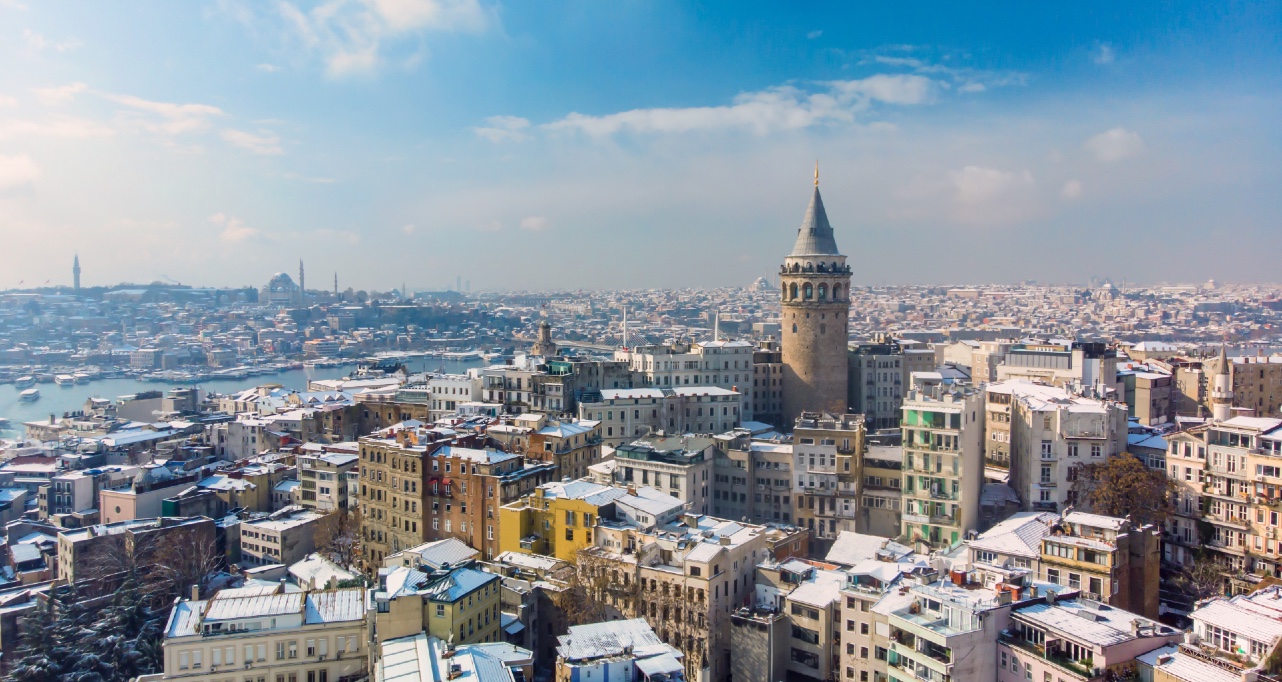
point(544, 345)
point(1222, 390)
point(302, 286)
point(815, 300)
point(335, 283)
point(75, 273)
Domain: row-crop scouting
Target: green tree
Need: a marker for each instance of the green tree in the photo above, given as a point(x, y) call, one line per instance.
point(1124, 486)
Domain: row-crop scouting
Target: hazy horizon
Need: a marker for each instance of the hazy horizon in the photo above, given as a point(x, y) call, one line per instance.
point(621, 146)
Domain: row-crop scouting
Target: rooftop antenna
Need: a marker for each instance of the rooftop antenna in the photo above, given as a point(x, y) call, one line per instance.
point(625, 327)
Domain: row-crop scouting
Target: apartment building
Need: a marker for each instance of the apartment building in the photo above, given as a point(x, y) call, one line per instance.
point(459, 604)
point(1229, 480)
point(284, 537)
point(1256, 382)
point(79, 550)
point(942, 465)
point(268, 634)
point(862, 635)
point(678, 466)
point(879, 379)
point(1233, 639)
point(422, 657)
point(616, 650)
point(1039, 433)
point(1105, 559)
point(1076, 639)
point(559, 519)
point(572, 445)
point(881, 493)
point(323, 479)
point(1084, 366)
point(767, 382)
point(827, 456)
point(752, 479)
point(721, 364)
point(630, 413)
point(418, 485)
point(1186, 468)
point(683, 578)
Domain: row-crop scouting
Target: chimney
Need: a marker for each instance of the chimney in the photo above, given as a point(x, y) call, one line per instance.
point(725, 540)
point(692, 520)
point(195, 592)
point(1050, 597)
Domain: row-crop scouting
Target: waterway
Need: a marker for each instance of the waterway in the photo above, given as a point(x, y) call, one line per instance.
point(56, 399)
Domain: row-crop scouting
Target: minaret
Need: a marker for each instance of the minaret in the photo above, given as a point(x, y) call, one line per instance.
point(75, 273)
point(302, 286)
point(816, 302)
point(336, 283)
point(1222, 390)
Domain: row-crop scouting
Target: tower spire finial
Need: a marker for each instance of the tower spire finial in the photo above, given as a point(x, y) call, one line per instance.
point(816, 172)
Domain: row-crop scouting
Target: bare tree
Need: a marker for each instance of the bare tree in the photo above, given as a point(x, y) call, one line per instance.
point(1203, 579)
point(338, 536)
point(183, 558)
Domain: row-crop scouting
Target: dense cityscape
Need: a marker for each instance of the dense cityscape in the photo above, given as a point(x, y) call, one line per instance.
point(480, 341)
point(959, 469)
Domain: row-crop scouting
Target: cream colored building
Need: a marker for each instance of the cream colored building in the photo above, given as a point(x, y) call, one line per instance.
point(684, 578)
point(827, 462)
point(267, 634)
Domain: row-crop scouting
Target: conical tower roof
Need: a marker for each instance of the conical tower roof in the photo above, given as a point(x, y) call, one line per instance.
point(1224, 360)
point(814, 237)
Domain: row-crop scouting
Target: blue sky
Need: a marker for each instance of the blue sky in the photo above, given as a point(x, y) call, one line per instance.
point(635, 144)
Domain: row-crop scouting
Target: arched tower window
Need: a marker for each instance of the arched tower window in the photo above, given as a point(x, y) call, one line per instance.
point(808, 291)
point(810, 267)
point(792, 289)
point(836, 292)
point(823, 267)
point(784, 293)
point(823, 292)
point(794, 327)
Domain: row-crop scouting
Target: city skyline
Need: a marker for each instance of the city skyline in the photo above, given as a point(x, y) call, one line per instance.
point(650, 146)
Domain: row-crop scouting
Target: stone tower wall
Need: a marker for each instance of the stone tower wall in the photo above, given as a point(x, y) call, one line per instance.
point(814, 340)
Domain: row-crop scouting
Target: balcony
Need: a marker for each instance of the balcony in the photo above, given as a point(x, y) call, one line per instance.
point(1085, 668)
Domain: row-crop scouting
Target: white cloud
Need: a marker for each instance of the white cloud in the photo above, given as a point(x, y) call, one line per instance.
point(315, 180)
point(1115, 145)
point(976, 184)
point(234, 229)
point(352, 36)
point(58, 126)
point(175, 119)
point(888, 88)
point(61, 94)
point(814, 34)
point(1071, 190)
point(267, 68)
point(17, 170)
point(499, 128)
point(8, 102)
point(39, 42)
point(1103, 54)
point(264, 142)
point(775, 109)
point(534, 223)
point(991, 196)
point(408, 229)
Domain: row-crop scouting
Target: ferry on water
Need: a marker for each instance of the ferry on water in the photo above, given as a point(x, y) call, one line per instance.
point(24, 382)
point(29, 395)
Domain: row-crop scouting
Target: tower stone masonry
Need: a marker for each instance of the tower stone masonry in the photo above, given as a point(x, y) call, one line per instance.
point(814, 325)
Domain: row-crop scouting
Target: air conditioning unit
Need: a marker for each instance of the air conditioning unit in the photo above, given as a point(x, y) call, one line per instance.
point(249, 664)
point(321, 657)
